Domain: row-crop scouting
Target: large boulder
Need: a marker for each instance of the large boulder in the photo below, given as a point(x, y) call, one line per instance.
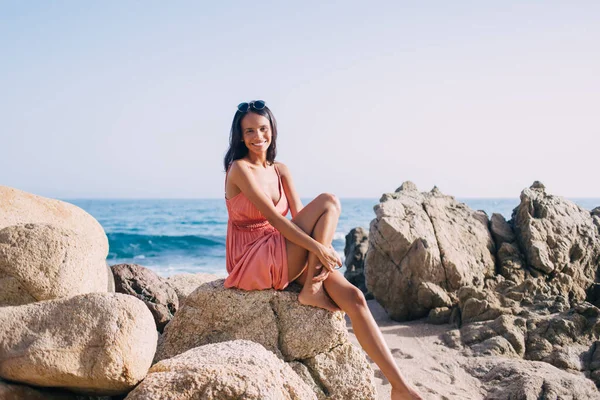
point(44, 262)
point(559, 239)
point(425, 237)
point(276, 320)
point(18, 207)
point(153, 290)
point(96, 343)
point(186, 283)
point(237, 369)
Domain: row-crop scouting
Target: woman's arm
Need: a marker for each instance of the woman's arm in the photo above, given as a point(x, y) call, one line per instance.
point(290, 190)
point(242, 177)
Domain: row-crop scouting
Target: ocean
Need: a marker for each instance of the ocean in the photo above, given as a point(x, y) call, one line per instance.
point(175, 236)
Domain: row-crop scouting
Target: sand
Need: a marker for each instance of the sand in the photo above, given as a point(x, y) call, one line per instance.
point(431, 367)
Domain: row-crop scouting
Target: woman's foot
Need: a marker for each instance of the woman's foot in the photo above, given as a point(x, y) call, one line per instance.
point(406, 393)
point(314, 295)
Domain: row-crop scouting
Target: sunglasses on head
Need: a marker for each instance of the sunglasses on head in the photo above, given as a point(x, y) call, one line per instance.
point(255, 104)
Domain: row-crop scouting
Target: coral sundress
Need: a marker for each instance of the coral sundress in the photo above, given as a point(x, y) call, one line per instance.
point(256, 252)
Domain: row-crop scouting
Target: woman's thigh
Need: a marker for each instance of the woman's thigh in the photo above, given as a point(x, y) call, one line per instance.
point(306, 220)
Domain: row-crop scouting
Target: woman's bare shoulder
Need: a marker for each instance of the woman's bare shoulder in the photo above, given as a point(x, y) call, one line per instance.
point(283, 169)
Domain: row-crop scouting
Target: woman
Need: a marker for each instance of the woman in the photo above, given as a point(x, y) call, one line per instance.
point(266, 250)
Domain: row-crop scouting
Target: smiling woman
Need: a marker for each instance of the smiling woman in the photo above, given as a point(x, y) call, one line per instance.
point(265, 250)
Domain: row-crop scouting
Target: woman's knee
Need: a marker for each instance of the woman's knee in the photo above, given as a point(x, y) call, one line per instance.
point(331, 201)
point(356, 299)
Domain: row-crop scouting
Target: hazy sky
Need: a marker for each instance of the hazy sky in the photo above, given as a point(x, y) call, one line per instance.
point(135, 99)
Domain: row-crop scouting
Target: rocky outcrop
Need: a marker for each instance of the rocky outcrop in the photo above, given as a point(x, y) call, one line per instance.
point(425, 238)
point(44, 262)
point(559, 238)
point(355, 251)
point(507, 379)
point(276, 320)
point(184, 284)
point(154, 291)
point(227, 370)
point(95, 343)
point(543, 260)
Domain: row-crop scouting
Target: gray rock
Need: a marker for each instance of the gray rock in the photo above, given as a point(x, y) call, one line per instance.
point(439, 316)
point(501, 230)
point(558, 237)
point(155, 292)
point(355, 251)
point(512, 379)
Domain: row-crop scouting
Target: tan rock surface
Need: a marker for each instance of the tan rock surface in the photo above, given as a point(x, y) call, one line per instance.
point(425, 237)
point(186, 283)
point(19, 207)
point(43, 262)
point(96, 343)
point(229, 370)
point(342, 373)
point(276, 320)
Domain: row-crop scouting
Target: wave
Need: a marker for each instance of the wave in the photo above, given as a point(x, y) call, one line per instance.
point(128, 245)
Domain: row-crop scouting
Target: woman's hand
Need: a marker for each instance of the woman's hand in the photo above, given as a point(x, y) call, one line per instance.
point(329, 259)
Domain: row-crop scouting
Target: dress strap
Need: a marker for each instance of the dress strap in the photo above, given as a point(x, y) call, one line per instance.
point(278, 178)
point(225, 188)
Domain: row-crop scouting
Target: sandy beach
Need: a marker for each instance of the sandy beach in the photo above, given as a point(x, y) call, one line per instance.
point(424, 360)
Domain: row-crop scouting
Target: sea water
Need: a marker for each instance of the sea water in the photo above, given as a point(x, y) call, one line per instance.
point(175, 236)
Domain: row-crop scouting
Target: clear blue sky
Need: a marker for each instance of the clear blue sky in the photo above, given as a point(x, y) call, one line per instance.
point(135, 99)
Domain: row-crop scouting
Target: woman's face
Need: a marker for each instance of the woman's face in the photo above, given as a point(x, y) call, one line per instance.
point(256, 133)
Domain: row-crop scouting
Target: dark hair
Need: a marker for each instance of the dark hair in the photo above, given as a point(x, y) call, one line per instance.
point(237, 148)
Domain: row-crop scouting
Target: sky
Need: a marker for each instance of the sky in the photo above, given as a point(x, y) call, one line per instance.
point(132, 99)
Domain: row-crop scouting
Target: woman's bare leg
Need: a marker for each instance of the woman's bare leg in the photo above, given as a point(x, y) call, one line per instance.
point(352, 301)
point(318, 219)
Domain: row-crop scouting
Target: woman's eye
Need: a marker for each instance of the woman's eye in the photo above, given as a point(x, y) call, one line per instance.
point(264, 128)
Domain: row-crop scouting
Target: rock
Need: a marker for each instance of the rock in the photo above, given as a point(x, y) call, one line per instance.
point(494, 346)
point(14, 391)
point(43, 262)
point(185, 283)
point(511, 264)
point(237, 369)
point(431, 296)
point(439, 316)
point(558, 237)
point(357, 244)
point(155, 292)
point(501, 230)
point(425, 237)
point(304, 373)
point(274, 319)
point(18, 208)
point(97, 343)
point(507, 379)
point(344, 373)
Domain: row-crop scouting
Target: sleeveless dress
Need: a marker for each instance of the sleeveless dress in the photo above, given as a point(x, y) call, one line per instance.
point(255, 251)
